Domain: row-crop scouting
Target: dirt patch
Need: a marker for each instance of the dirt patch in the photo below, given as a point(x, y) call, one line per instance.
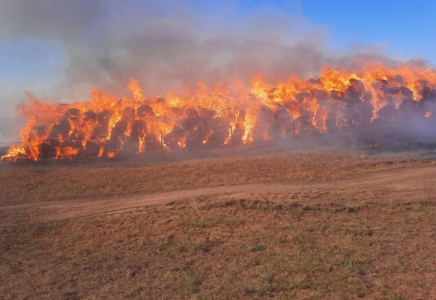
point(402, 180)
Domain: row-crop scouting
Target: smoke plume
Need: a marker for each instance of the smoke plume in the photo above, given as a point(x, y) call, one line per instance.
point(165, 44)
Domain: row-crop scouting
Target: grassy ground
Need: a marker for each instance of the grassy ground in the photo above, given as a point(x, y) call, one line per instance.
point(225, 249)
point(38, 183)
point(371, 241)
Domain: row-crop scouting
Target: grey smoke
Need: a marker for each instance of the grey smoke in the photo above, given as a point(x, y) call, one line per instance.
point(168, 44)
point(165, 44)
point(47, 19)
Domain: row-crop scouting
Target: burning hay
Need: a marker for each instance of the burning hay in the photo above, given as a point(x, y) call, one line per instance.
point(338, 101)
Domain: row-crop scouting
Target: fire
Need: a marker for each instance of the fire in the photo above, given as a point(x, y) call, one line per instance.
point(182, 142)
point(101, 152)
point(206, 139)
point(215, 115)
point(111, 154)
point(133, 87)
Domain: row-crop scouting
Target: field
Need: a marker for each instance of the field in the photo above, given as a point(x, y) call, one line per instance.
point(298, 225)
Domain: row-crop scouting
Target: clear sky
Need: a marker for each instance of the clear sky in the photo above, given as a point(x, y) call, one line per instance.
point(37, 44)
point(407, 28)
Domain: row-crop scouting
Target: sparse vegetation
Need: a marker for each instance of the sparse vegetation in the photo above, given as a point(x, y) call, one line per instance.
point(37, 183)
point(327, 239)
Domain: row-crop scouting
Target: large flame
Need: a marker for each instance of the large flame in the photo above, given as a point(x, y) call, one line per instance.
point(216, 115)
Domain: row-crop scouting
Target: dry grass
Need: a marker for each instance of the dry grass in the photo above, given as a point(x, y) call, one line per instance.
point(228, 248)
point(27, 184)
point(373, 240)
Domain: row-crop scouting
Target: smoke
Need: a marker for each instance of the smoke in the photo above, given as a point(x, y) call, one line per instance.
point(165, 44)
point(47, 19)
point(170, 44)
point(173, 48)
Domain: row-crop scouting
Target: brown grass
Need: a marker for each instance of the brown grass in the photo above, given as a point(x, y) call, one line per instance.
point(27, 184)
point(227, 248)
point(355, 241)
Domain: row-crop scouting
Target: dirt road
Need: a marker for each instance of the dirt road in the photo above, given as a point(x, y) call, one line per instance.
point(369, 236)
point(406, 181)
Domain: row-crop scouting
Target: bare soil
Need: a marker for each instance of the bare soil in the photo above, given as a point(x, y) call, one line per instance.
point(350, 228)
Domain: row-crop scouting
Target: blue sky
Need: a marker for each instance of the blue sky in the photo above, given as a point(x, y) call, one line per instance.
point(34, 61)
point(407, 28)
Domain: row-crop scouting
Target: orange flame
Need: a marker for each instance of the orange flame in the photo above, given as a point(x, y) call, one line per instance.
point(263, 111)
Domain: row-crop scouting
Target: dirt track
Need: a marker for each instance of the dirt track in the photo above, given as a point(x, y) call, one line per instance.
point(409, 181)
point(368, 235)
